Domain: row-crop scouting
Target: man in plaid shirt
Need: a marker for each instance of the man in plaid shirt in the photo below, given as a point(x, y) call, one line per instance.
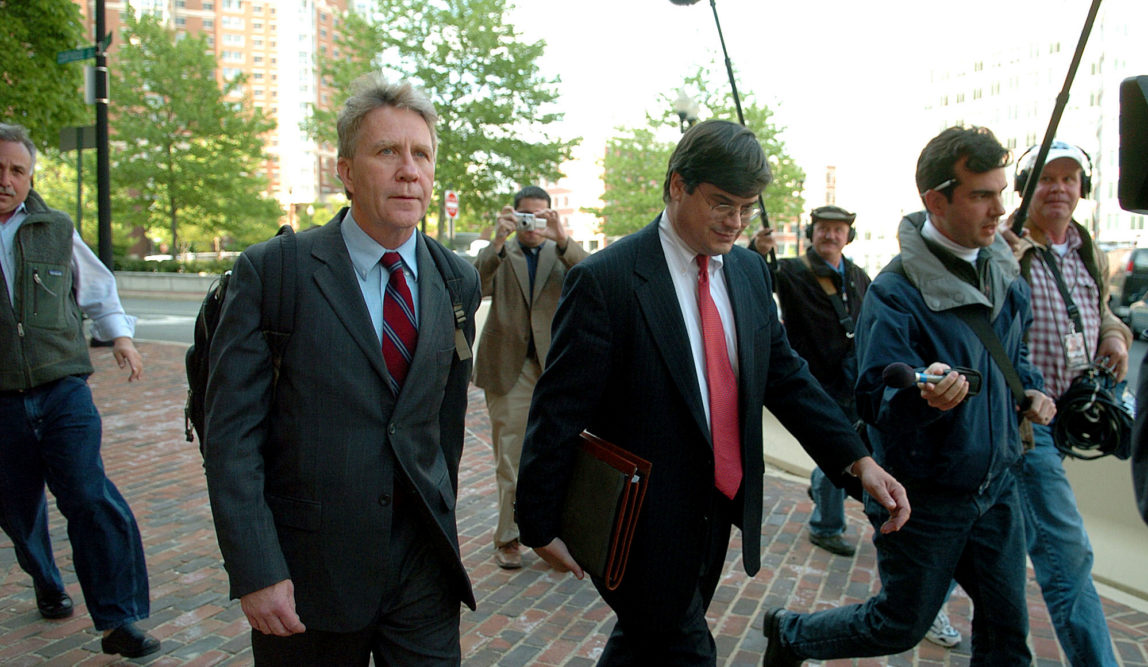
point(1057, 542)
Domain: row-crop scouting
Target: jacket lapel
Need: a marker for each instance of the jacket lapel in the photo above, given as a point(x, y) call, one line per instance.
point(517, 261)
point(747, 322)
point(659, 302)
point(436, 328)
point(547, 257)
point(338, 285)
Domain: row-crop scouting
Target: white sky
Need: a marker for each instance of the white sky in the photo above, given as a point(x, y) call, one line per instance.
point(844, 77)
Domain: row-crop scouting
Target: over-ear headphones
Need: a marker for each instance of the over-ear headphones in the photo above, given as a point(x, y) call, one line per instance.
point(1057, 150)
point(831, 214)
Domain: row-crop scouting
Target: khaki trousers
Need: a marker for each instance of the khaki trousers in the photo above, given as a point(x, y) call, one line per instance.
point(508, 414)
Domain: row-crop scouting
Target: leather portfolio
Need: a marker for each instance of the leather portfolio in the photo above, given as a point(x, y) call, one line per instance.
point(601, 507)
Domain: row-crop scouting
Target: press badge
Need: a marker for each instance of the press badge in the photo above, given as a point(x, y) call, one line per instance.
point(1075, 352)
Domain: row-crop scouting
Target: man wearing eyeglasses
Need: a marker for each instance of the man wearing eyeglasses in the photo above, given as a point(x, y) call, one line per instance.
point(667, 344)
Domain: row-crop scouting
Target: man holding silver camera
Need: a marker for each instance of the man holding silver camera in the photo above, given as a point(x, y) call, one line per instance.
point(524, 281)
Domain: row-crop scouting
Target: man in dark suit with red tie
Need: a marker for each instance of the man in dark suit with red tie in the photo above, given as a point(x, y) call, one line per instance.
point(333, 487)
point(667, 343)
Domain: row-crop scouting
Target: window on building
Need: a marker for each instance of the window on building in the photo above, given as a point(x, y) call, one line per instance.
point(233, 5)
point(208, 5)
point(233, 39)
point(257, 42)
point(180, 22)
point(209, 24)
point(258, 60)
point(233, 22)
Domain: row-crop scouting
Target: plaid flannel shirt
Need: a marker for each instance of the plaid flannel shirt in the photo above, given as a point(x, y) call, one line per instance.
point(1051, 321)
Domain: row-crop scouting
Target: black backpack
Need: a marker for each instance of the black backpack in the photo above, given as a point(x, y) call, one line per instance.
point(278, 319)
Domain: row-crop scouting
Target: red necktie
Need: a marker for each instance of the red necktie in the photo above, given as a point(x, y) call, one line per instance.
point(399, 332)
point(723, 390)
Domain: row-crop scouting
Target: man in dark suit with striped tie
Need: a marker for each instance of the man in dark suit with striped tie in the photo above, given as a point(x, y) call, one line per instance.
point(667, 343)
point(333, 487)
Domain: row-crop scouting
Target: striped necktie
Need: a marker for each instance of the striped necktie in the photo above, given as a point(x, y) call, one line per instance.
point(399, 332)
point(724, 428)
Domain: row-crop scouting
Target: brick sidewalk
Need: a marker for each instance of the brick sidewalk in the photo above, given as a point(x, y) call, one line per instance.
point(532, 616)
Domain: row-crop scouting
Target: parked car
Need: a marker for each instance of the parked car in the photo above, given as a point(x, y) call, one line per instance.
point(1138, 319)
point(1128, 279)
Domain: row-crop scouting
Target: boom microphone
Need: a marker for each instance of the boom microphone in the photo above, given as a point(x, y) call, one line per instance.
point(899, 375)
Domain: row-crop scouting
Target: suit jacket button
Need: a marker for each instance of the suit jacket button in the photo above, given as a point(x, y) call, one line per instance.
point(385, 499)
point(391, 429)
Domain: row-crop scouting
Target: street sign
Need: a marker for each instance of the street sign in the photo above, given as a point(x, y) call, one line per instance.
point(72, 55)
point(452, 204)
point(72, 138)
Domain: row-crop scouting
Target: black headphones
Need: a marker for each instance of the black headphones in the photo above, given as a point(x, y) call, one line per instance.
point(831, 214)
point(1022, 175)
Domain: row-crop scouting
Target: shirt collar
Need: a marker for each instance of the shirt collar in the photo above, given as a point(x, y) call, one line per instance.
point(366, 252)
point(680, 257)
point(17, 216)
point(930, 232)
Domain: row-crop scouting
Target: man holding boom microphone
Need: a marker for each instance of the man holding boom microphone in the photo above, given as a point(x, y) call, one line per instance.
point(953, 450)
point(1070, 329)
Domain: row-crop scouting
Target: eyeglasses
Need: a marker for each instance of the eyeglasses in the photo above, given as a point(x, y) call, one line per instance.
point(747, 213)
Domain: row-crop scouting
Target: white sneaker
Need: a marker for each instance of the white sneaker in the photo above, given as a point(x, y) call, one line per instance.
point(942, 633)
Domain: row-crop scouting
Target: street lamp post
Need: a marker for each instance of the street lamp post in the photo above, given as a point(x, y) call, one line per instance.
point(686, 108)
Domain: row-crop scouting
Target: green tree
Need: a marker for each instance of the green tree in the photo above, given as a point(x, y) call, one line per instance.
point(634, 170)
point(34, 91)
point(188, 154)
point(493, 103)
point(634, 165)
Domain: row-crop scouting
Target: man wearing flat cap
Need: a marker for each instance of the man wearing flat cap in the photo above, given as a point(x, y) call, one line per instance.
point(820, 296)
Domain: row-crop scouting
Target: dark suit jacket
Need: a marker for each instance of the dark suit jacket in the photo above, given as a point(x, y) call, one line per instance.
point(302, 476)
point(516, 314)
point(620, 365)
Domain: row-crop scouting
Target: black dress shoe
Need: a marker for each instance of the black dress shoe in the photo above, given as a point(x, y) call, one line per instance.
point(54, 605)
point(130, 642)
point(776, 653)
point(834, 544)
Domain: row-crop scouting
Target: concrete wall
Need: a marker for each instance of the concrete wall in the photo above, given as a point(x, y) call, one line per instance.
point(1103, 491)
point(164, 283)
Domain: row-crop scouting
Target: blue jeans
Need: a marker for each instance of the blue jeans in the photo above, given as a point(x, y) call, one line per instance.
point(52, 435)
point(828, 518)
point(978, 539)
point(1061, 554)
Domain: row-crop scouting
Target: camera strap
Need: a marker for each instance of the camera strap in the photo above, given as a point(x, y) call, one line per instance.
point(1069, 304)
point(977, 319)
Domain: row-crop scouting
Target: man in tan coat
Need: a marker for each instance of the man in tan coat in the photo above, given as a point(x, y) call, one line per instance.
point(524, 281)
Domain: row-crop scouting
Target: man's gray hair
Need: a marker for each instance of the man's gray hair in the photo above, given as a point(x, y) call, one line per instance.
point(371, 91)
point(19, 133)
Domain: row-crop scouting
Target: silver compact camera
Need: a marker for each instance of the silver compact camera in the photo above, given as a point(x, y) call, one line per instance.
point(528, 222)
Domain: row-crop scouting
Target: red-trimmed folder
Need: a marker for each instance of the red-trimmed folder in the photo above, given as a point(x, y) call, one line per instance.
point(601, 508)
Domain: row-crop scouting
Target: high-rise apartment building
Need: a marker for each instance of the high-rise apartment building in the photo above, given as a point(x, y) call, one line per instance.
point(1012, 89)
point(276, 44)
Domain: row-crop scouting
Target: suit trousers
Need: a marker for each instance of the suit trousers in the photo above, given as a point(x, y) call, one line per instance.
point(508, 413)
point(51, 434)
point(689, 641)
point(417, 622)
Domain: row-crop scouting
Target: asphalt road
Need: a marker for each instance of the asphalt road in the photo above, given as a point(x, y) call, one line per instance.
point(163, 320)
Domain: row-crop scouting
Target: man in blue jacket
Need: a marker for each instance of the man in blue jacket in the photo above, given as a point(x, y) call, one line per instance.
point(952, 448)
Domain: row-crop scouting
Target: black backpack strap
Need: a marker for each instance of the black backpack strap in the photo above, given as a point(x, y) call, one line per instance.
point(278, 307)
point(977, 319)
point(453, 282)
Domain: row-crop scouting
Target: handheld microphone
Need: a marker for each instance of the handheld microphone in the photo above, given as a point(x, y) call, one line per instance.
point(900, 375)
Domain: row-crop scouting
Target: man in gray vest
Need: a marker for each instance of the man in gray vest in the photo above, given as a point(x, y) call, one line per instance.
point(51, 427)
